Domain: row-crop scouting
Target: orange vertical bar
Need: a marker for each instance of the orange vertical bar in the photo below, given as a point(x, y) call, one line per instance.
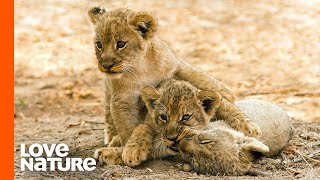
point(6, 90)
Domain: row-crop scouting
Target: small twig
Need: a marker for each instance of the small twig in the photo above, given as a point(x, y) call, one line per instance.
point(17, 165)
point(150, 170)
point(22, 115)
point(290, 170)
point(256, 173)
point(310, 94)
point(314, 154)
point(309, 156)
point(82, 124)
point(70, 125)
point(98, 129)
point(315, 160)
point(312, 144)
point(103, 173)
point(91, 104)
point(94, 122)
point(304, 159)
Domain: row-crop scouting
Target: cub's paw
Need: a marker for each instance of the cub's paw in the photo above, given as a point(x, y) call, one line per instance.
point(134, 155)
point(109, 156)
point(186, 167)
point(251, 129)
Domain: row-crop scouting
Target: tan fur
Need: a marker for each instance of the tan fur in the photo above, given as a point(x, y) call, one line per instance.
point(146, 141)
point(220, 150)
point(211, 148)
point(109, 155)
point(173, 99)
point(274, 122)
point(144, 60)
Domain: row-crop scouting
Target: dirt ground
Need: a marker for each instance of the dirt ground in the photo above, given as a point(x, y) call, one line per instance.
point(262, 49)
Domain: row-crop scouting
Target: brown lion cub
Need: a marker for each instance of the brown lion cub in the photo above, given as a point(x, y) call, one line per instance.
point(220, 150)
point(177, 99)
point(174, 107)
point(131, 55)
point(179, 121)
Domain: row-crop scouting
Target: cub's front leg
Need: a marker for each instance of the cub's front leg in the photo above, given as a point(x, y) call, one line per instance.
point(204, 81)
point(110, 131)
point(125, 113)
point(139, 146)
point(230, 113)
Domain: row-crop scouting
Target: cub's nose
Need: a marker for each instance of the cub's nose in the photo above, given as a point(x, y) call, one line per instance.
point(174, 139)
point(171, 134)
point(107, 65)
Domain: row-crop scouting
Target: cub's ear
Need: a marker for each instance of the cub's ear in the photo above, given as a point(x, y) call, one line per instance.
point(145, 24)
point(210, 101)
point(253, 148)
point(149, 95)
point(95, 14)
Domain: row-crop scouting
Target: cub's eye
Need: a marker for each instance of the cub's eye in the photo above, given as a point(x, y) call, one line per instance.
point(121, 44)
point(163, 118)
point(186, 117)
point(99, 45)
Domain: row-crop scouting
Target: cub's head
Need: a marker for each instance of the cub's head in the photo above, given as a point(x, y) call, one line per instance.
point(121, 39)
point(221, 151)
point(177, 106)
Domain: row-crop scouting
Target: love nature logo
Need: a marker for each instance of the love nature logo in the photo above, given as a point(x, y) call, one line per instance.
point(35, 160)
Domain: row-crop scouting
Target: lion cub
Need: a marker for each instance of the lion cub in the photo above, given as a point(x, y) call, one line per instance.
point(178, 122)
point(220, 150)
point(180, 101)
point(174, 108)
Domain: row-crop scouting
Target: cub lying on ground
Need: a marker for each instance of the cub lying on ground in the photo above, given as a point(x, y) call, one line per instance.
point(132, 56)
point(179, 116)
point(220, 150)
